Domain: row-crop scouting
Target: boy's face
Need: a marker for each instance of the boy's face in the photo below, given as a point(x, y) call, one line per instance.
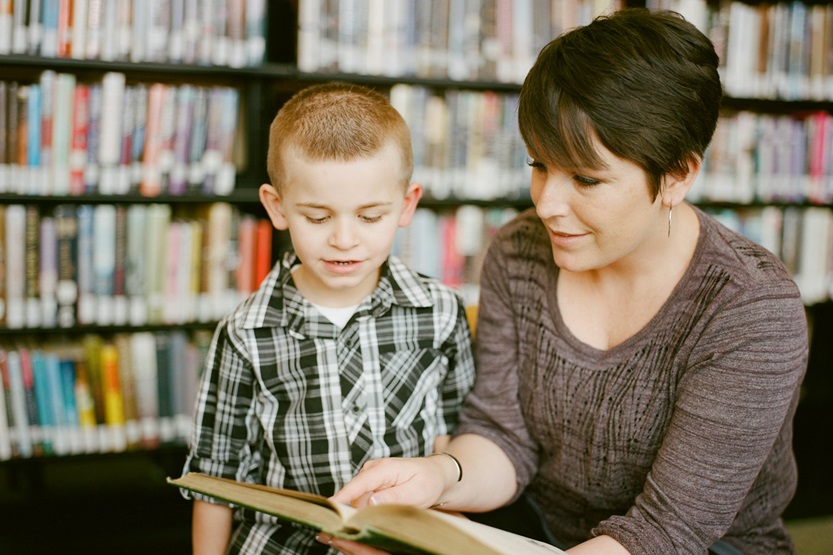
point(342, 218)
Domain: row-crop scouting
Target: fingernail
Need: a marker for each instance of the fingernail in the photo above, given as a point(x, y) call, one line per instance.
point(373, 500)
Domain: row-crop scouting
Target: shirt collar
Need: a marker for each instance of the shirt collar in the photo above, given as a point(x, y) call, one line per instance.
point(278, 303)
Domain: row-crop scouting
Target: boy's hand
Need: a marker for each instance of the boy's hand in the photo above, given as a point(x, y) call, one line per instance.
point(347, 547)
point(413, 481)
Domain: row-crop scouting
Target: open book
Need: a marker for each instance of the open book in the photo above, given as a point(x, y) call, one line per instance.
point(396, 528)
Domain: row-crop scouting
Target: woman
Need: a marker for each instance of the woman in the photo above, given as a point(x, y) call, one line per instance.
point(638, 363)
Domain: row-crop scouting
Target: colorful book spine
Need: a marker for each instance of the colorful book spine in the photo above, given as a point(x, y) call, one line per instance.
point(113, 399)
point(78, 146)
point(36, 174)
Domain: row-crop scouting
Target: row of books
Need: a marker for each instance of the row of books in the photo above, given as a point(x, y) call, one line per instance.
point(69, 137)
point(486, 40)
point(769, 158)
point(801, 237)
point(127, 265)
point(450, 244)
point(99, 395)
point(774, 50)
point(208, 32)
point(466, 143)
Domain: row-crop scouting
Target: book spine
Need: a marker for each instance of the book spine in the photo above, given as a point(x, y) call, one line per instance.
point(121, 311)
point(143, 348)
point(2, 266)
point(12, 122)
point(109, 153)
point(156, 248)
point(95, 16)
point(78, 46)
point(34, 28)
point(62, 132)
point(27, 377)
point(127, 381)
point(85, 276)
point(31, 269)
point(23, 435)
point(6, 451)
point(46, 421)
point(255, 31)
point(48, 271)
point(182, 139)
point(47, 127)
point(64, 32)
point(33, 141)
point(164, 392)
point(92, 172)
point(92, 346)
point(263, 252)
point(86, 408)
point(134, 280)
point(104, 262)
point(66, 291)
point(73, 427)
point(49, 38)
point(18, 31)
point(78, 149)
point(151, 185)
point(15, 265)
point(24, 182)
point(113, 399)
point(4, 158)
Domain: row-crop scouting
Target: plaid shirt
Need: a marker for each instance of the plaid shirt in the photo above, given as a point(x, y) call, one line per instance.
point(290, 400)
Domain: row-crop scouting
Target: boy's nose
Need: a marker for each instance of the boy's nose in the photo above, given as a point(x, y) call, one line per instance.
point(343, 236)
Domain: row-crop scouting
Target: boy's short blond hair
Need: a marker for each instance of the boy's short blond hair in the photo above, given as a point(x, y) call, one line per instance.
point(336, 121)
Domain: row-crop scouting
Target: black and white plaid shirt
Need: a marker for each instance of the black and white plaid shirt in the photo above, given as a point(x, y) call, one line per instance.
point(290, 400)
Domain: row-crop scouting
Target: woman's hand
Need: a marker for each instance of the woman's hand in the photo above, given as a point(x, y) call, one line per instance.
point(420, 482)
point(349, 548)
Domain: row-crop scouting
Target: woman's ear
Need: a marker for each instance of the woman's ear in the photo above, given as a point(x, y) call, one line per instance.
point(271, 201)
point(412, 196)
point(676, 187)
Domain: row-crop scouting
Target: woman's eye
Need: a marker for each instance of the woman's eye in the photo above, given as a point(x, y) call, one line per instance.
point(585, 181)
point(534, 164)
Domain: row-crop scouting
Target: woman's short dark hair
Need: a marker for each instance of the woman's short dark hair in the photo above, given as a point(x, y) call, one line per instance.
point(645, 84)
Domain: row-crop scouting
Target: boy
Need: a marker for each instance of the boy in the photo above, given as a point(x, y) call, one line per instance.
point(343, 355)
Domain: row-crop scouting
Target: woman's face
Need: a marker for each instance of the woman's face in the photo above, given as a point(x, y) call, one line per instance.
point(598, 218)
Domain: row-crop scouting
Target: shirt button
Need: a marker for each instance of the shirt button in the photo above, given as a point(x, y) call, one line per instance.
point(355, 409)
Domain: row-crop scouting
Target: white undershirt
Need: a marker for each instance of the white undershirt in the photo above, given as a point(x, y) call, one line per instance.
point(338, 316)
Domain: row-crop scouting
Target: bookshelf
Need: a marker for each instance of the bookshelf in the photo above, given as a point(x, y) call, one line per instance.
point(448, 85)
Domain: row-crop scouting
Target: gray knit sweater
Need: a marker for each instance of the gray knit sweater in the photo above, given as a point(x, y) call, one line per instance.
point(677, 437)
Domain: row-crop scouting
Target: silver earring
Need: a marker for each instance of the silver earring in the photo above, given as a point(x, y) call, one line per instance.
point(670, 209)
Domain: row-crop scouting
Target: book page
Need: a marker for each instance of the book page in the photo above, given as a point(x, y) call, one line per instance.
point(304, 508)
point(438, 532)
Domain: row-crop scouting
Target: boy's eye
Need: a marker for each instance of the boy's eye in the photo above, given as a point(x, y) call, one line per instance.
point(370, 219)
point(316, 219)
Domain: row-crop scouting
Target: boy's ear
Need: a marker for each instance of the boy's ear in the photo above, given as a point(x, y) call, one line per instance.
point(271, 201)
point(412, 196)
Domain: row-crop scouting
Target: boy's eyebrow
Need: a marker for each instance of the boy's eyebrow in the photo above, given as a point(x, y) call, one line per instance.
point(325, 207)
